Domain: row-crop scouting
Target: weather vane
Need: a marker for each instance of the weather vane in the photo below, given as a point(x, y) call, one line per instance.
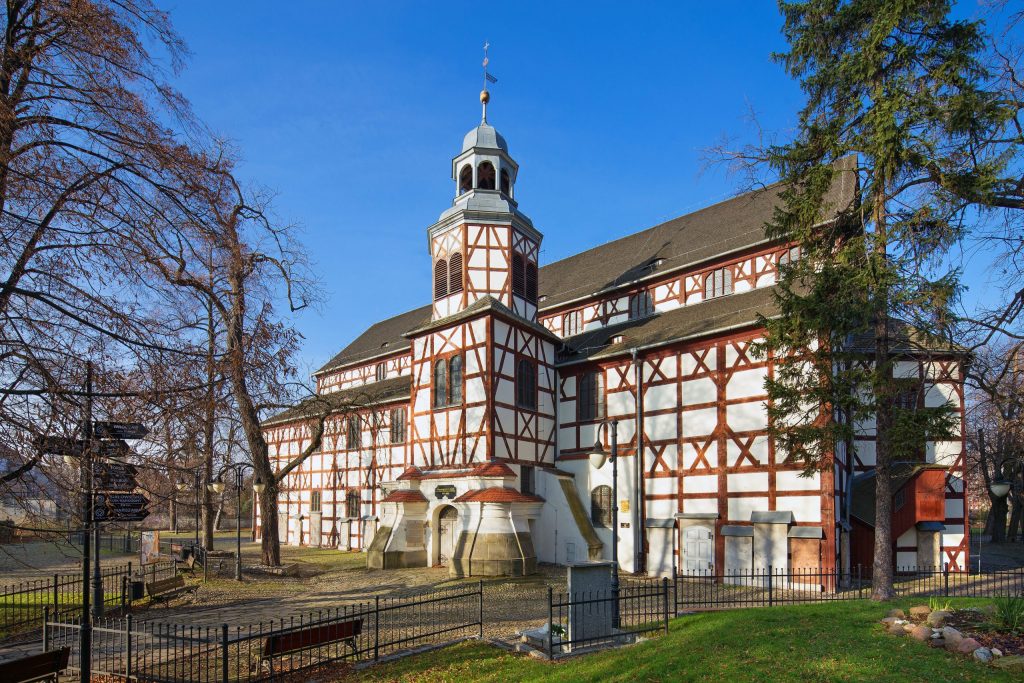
point(488, 78)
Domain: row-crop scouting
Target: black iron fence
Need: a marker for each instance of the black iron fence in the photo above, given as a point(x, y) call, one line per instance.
point(24, 605)
point(581, 620)
point(774, 586)
point(127, 649)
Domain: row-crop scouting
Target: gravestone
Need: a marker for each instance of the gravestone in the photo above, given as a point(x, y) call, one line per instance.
point(589, 581)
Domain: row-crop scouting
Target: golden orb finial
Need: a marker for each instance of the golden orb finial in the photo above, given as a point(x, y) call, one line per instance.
point(485, 96)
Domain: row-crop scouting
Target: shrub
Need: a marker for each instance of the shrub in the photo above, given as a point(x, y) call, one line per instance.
point(939, 605)
point(1010, 613)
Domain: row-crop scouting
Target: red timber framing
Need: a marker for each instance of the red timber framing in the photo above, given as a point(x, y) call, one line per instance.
point(335, 470)
point(396, 365)
point(751, 269)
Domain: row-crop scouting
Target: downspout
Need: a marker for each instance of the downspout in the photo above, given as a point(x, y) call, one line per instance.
point(638, 514)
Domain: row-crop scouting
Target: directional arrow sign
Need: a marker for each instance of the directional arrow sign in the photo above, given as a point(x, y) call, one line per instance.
point(120, 506)
point(60, 445)
point(119, 430)
point(112, 449)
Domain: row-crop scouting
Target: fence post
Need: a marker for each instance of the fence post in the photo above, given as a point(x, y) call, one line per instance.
point(56, 594)
point(224, 653)
point(376, 627)
point(481, 609)
point(664, 600)
point(551, 626)
point(128, 648)
point(771, 601)
point(46, 628)
point(859, 581)
point(945, 575)
point(124, 593)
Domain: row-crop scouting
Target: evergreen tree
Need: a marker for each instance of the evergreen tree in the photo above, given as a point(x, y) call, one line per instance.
point(895, 94)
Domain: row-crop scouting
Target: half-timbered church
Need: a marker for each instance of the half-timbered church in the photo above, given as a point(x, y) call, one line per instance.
point(462, 429)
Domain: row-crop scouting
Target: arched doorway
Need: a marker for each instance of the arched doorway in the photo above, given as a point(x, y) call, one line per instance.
point(448, 530)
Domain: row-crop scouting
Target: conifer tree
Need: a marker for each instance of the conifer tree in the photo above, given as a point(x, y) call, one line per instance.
point(872, 194)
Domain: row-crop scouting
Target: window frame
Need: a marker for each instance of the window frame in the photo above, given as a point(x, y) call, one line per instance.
point(598, 398)
point(481, 180)
point(641, 305)
point(576, 316)
point(521, 391)
point(398, 417)
point(315, 502)
point(601, 517)
point(455, 284)
point(380, 372)
point(440, 280)
point(454, 384)
point(714, 287)
point(527, 480)
point(350, 496)
point(518, 262)
point(353, 433)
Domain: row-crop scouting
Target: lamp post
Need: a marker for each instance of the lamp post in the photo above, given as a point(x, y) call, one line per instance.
point(217, 486)
point(598, 457)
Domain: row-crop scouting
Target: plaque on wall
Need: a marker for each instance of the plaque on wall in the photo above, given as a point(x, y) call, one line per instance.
point(445, 491)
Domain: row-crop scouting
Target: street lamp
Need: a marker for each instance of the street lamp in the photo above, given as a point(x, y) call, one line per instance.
point(598, 457)
point(217, 486)
point(1000, 488)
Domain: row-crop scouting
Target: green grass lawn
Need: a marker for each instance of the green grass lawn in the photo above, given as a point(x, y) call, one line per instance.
point(826, 642)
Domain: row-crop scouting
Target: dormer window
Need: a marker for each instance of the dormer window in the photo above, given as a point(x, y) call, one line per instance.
point(465, 179)
point(455, 273)
point(718, 283)
point(485, 176)
point(506, 182)
point(440, 278)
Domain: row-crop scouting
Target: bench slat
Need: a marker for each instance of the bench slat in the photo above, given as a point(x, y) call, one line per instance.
point(33, 667)
point(311, 637)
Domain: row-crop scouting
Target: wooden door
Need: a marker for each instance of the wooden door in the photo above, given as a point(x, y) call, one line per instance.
point(698, 549)
point(448, 529)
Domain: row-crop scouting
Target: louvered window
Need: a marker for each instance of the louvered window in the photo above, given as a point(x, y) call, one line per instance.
point(601, 506)
point(440, 278)
point(640, 305)
point(398, 425)
point(718, 283)
point(531, 282)
point(455, 273)
point(526, 384)
point(590, 397)
point(571, 323)
point(440, 383)
point(518, 274)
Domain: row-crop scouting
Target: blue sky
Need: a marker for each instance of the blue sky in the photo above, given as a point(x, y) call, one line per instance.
point(352, 112)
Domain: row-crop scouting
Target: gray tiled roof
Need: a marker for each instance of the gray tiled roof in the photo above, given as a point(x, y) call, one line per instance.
point(387, 391)
point(728, 226)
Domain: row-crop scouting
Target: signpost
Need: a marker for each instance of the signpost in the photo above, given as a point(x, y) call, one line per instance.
point(120, 507)
point(115, 476)
point(119, 430)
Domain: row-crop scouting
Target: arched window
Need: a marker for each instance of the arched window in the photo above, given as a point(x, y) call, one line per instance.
point(571, 323)
point(518, 274)
point(440, 383)
point(440, 279)
point(455, 381)
point(641, 305)
point(506, 182)
point(601, 506)
point(718, 283)
point(352, 504)
point(381, 372)
point(526, 384)
point(465, 179)
point(455, 273)
point(485, 176)
point(531, 281)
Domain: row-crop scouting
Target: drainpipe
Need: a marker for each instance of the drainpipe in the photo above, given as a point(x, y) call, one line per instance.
point(638, 514)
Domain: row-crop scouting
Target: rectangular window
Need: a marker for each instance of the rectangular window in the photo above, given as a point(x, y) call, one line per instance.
point(790, 255)
point(352, 504)
point(398, 425)
point(571, 323)
point(314, 503)
point(354, 433)
point(590, 397)
point(526, 475)
point(718, 283)
point(641, 305)
point(526, 384)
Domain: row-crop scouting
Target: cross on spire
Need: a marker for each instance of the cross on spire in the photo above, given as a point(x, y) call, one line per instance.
point(485, 96)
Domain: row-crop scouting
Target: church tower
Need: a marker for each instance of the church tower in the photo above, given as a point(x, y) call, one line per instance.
point(483, 245)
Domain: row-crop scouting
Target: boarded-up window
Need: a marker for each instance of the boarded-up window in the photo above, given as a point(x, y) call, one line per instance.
point(641, 305)
point(518, 274)
point(398, 425)
point(601, 506)
point(531, 281)
point(526, 384)
point(590, 396)
point(352, 504)
point(718, 283)
point(440, 278)
point(455, 273)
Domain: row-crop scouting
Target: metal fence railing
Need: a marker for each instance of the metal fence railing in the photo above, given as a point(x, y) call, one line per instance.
point(125, 649)
point(774, 586)
point(581, 620)
point(24, 605)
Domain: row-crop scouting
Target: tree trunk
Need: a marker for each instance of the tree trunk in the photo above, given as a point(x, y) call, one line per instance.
point(1016, 520)
point(996, 522)
point(270, 544)
point(172, 513)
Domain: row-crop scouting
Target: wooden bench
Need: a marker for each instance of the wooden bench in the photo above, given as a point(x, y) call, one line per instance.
point(44, 666)
point(189, 565)
point(168, 589)
point(298, 640)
